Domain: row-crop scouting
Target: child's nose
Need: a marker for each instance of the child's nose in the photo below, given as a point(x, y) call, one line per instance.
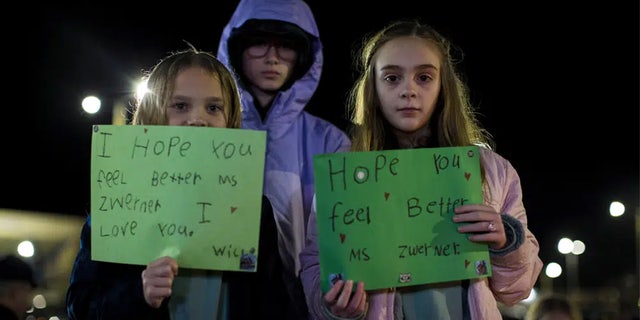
point(197, 122)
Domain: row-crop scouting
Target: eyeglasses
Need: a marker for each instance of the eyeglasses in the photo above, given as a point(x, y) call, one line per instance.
point(260, 50)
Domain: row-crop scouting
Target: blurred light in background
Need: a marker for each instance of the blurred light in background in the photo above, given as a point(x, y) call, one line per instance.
point(39, 302)
point(141, 89)
point(91, 104)
point(553, 270)
point(616, 209)
point(121, 105)
point(26, 249)
point(532, 296)
point(578, 247)
point(565, 245)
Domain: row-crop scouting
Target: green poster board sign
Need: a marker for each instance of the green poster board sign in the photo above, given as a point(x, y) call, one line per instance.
point(193, 193)
point(385, 217)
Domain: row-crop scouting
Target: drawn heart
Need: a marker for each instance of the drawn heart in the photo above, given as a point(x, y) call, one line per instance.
point(342, 236)
point(386, 196)
point(466, 263)
point(233, 209)
point(467, 175)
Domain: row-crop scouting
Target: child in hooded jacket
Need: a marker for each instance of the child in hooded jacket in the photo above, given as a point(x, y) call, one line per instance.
point(275, 49)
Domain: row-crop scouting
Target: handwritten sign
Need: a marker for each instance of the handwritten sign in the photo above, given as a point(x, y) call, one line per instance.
point(193, 193)
point(385, 217)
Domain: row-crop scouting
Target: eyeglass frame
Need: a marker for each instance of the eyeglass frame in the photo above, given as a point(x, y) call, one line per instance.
point(266, 46)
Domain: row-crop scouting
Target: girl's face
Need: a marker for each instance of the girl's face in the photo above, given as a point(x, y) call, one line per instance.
point(268, 65)
point(197, 100)
point(407, 77)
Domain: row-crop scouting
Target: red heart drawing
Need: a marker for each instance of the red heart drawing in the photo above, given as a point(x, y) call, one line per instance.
point(342, 236)
point(233, 209)
point(467, 175)
point(466, 263)
point(386, 196)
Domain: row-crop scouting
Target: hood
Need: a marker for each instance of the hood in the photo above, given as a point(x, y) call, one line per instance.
point(291, 102)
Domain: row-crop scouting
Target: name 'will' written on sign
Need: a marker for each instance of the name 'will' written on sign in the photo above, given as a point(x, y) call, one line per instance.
point(193, 193)
point(385, 217)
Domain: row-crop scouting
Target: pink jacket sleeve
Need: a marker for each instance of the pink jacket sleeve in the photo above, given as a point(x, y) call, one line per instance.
point(515, 272)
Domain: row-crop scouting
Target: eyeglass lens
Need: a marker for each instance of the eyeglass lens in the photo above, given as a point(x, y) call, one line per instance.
point(261, 50)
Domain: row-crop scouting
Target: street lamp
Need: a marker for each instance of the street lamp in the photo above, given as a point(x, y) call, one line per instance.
point(571, 250)
point(120, 103)
point(617, 209)
point(91, 104)
point(551, 271)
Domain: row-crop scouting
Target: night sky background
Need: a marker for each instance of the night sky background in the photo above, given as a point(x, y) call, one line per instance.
point(557, 87)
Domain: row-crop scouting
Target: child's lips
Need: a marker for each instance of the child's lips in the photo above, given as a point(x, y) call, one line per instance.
point(271, 73)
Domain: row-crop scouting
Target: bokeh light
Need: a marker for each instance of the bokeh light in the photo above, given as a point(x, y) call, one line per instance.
point(26, 249)
point(616, 209)
point(553, 270)
point(565, 245)
point(91, 104)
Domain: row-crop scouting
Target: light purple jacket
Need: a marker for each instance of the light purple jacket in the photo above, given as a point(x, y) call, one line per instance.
point(293, 135)
point(513, 274)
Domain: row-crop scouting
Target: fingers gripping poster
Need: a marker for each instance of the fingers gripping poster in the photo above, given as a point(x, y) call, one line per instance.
point(193, 193)
point(385, 217)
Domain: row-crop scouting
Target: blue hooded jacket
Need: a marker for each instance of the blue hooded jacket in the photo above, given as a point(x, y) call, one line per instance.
point(294, 136)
